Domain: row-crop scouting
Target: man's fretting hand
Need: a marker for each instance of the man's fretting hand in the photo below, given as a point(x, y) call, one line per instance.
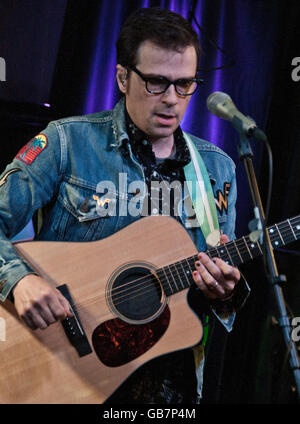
point(214, 276)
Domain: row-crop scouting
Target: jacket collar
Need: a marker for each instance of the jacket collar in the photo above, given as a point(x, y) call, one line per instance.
point(119, 124)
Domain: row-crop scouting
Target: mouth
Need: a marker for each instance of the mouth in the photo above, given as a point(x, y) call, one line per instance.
point(165, 119)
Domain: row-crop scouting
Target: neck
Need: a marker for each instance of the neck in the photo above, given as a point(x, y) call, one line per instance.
point(163, 147)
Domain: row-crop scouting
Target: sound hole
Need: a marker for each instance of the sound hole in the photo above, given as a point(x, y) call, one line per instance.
point(135, 294)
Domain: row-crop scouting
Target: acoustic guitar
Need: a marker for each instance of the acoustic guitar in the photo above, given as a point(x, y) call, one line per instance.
point(129, 297)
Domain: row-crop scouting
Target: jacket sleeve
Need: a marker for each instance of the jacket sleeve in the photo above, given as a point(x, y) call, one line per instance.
point(28, 183)
point(225, 311)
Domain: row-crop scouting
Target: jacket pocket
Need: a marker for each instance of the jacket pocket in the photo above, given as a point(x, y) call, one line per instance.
point(82, 215)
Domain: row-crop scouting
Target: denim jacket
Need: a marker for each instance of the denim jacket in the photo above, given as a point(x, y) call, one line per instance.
point(63, 178)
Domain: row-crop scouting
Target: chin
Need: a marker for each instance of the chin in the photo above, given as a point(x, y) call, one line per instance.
point(163, 132)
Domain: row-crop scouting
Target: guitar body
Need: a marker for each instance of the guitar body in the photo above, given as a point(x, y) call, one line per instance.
point(42, 366)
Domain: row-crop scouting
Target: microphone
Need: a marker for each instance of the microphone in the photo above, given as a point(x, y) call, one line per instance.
point(221, 105)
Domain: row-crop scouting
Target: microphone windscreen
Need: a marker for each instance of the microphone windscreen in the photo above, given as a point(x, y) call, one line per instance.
point(216, 98)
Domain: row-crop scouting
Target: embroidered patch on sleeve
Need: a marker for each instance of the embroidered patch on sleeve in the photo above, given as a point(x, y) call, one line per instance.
point(32, 149)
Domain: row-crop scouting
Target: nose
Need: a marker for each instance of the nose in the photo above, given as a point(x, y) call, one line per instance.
point(170, 96)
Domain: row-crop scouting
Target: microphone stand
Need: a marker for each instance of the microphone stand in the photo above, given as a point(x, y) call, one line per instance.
point(274, 279)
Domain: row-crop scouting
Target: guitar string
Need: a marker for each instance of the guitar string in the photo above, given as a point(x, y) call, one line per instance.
point(124, 298)
point(148, 290)
point(232, 254)
point(170, 273)
point(180, 274)
point(229, 245)
point(145, 291)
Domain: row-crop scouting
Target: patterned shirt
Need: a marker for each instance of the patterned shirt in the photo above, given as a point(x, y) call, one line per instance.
point(164, 177)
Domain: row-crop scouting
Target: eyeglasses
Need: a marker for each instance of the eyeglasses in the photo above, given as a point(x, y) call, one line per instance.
point(159, 85)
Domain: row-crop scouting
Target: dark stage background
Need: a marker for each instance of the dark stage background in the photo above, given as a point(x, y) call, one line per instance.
point(60, 61)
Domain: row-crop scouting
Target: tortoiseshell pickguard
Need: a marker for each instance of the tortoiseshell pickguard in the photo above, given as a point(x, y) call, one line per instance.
point(117, 342)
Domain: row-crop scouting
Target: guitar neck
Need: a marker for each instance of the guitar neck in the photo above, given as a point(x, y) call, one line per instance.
point(178, 276)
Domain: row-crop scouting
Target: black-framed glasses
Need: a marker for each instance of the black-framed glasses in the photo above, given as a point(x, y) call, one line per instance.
point(159, 84)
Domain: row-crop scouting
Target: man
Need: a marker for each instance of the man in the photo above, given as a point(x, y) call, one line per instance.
point(59, 171)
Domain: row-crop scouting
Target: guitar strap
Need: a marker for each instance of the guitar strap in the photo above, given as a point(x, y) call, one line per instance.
point(203, 201)
point(201, 194)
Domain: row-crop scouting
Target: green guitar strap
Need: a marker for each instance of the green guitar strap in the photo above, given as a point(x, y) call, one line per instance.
point(202, 196)
point(203, 201)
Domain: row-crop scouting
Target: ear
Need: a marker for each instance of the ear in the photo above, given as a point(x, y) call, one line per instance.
point(122, 78)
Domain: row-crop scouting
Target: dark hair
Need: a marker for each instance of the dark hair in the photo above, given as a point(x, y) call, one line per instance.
point(163, 27)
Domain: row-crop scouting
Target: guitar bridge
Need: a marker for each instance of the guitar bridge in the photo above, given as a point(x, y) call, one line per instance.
point(73, 327)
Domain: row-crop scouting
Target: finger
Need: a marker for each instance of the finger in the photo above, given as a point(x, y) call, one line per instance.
point(231, 275)
point(224, 239)
point(46, 314)
point(34, 320)
point(58, 308)
point(28, 321)
point(65, 304)
point(225, 274)
point(202, 286)
point(42, 311)
point(47, 308)
point(211, 271)
point(209, 285)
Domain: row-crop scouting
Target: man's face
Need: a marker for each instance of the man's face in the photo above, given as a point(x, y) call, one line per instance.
point(158, 115)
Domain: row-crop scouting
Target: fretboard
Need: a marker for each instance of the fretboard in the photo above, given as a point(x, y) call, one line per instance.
point(178, 276)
